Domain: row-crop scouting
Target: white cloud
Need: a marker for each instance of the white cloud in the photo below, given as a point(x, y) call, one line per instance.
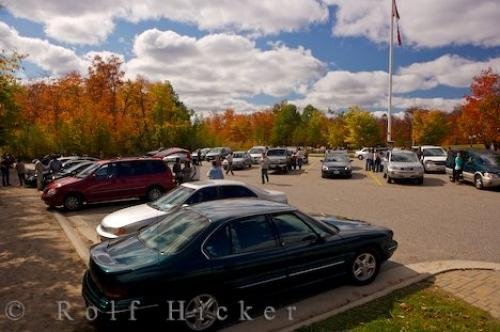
point(222, 70)
point(425, 23)
point(54, 59)
point(450, 70)
point(90, 22)
point(341, 89)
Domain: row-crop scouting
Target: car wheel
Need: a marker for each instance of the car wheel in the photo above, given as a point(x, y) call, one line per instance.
point(201, 312)
point(154, 193)
point(72, 202)
point(365, 267)
point(478, 182)
point(360, 157)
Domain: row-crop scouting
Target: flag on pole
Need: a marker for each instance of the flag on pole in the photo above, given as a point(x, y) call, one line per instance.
point(395, 14)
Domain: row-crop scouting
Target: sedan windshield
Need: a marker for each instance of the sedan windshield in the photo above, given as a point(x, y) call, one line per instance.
point(256, 150)
point(175, 197)
point(404, 157)
point(172, 233)
point(277, 152)
point(89, 170)
point(214, 150)
point(78, 167)
point(336, 159)
point(238, 155)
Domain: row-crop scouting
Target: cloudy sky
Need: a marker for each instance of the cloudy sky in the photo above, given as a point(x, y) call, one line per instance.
point(248, 54)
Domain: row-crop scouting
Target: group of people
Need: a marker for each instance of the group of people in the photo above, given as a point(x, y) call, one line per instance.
point(7, 163)
point(184, 173)
point(297, 159)
point(374, 161)
point(216, 173)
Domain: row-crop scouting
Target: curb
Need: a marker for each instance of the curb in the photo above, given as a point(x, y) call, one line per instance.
point(72, 235)
point(415, 273)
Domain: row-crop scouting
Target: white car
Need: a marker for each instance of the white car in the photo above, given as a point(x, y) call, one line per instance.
point(403, 164)
point(256, 153)
point(132, 219)
point(433, 158)
point(361, 154)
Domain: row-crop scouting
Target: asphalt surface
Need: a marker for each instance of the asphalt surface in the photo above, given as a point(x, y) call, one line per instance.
point(436, 221)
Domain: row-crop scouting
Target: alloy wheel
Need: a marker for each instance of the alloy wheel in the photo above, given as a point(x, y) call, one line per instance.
point(154, 194)
point(201, 312)
point(364, 266)
point(72, 202)
point(478, 182)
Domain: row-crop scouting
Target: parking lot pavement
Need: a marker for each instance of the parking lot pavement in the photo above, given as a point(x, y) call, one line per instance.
point(435, 221)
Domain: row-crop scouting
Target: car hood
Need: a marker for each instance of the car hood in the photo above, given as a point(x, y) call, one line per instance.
point(255, 155)
point(345, 225)
point(125, 253)
point(273, 195)
point(131, 215)
point(63, 182)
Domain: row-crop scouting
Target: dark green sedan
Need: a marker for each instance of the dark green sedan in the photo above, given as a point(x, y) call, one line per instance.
point(201, 257)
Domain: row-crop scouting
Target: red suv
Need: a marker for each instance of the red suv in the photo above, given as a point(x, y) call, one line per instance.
point(111, 180)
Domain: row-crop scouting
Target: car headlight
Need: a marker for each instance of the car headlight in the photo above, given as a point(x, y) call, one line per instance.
point(325, 168)
point(51, 192)
point(347, 168)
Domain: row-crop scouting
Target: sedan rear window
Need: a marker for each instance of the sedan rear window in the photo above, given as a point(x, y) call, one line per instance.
point(252, 234)
point(172, 233)
point(280, 152)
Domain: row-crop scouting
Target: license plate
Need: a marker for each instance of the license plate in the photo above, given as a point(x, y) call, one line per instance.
point(336, 172)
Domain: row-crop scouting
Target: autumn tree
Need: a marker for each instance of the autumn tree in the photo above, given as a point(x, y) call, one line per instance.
point(287, 121)
point(361, 127)
point(480, 115)
point(9, 64)
point(429, 127)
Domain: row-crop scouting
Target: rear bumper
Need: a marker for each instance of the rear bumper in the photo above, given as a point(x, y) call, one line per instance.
point(432, 167)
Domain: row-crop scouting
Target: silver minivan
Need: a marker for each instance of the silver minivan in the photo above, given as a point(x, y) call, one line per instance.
point(403, 164)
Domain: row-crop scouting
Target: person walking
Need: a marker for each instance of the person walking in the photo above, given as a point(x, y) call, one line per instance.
point(369, 161)
point(21, 171)
point(177, 169)
point(457, 169)
point(264, 167)
point(215, 172)
point(198, 158)
point(229, 159)
point(39, 170)
point(5, 168)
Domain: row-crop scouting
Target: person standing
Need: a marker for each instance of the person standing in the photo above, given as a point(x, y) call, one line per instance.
point(300, 158)
point(55, 165)
point(39, 170)
point(21, 171)
point(177, 169)
point(215, 172)
point(264, 167)
point(187, 171)
point(229, 159)
point(457, 170)
point(5, 168)
point(376, 162)
point(369, 160)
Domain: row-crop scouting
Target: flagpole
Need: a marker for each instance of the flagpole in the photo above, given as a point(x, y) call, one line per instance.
point(389, 136)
